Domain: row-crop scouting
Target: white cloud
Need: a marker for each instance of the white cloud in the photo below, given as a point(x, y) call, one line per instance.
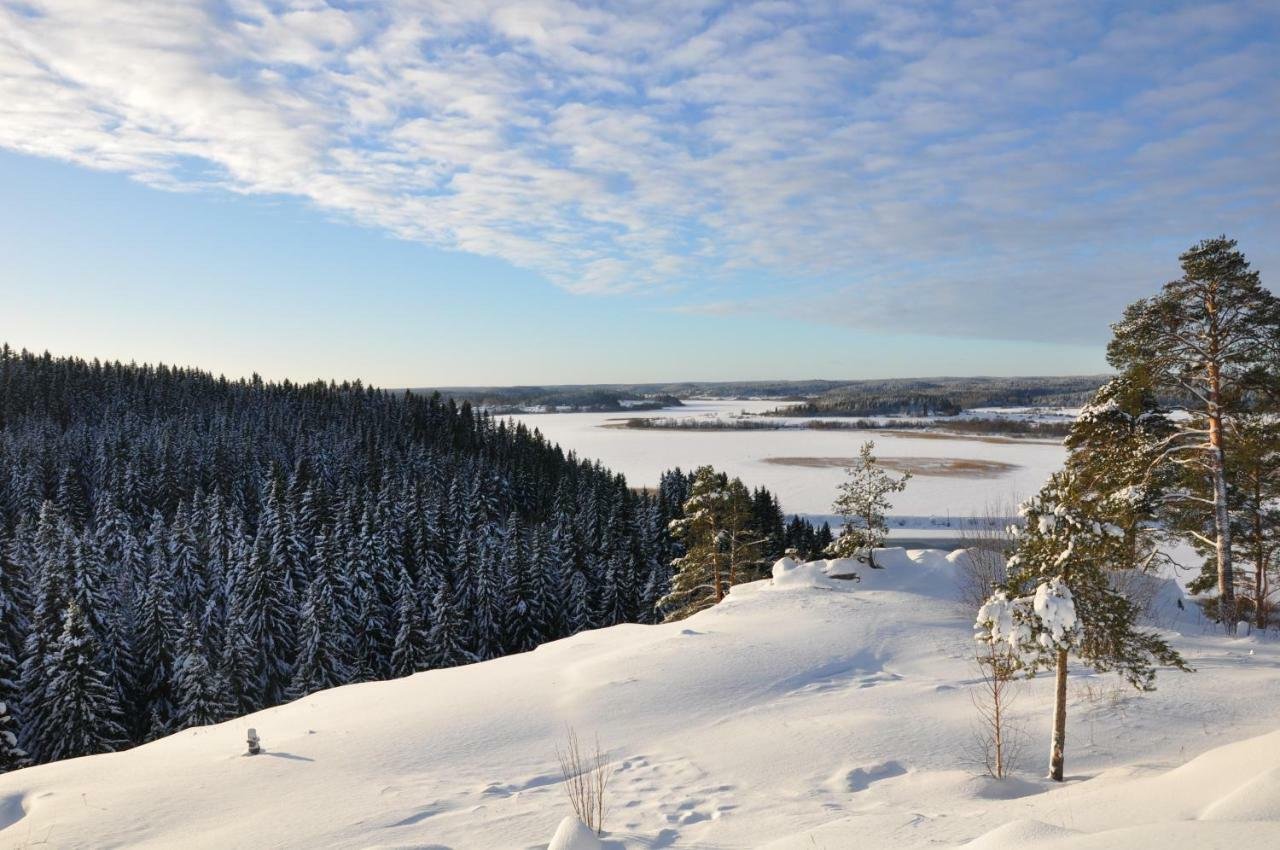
point(889, 150)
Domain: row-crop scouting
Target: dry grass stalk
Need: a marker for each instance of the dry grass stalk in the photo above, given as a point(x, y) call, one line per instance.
point(586, 779)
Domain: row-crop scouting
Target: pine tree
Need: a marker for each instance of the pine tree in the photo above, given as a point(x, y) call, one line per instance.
point(1115, 444)
point(699, 578)
point(1211, 339)
point(1058, 600)
point(721, 548)
point(863, 500)
point(1253, 475)
point(82, 706)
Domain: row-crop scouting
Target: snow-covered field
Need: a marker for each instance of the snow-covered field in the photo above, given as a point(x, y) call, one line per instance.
point(643, 454)
point(802, 714)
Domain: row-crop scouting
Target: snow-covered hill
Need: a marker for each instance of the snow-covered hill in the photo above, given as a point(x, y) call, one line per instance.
point(799, 713)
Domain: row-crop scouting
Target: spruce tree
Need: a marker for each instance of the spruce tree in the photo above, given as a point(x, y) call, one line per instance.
point(323, 639)
point(201, 696)
point(12, 756)
point(82, 706)
point(523, 614)
point(268, 619)
point(155, 643)
point(447, 647)
point(411, 650)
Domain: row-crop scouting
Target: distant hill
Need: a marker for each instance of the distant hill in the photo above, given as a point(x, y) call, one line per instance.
point(877, 397)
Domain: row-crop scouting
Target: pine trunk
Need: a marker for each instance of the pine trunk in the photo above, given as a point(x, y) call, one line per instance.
point(1221, 519)
point(1057, 748)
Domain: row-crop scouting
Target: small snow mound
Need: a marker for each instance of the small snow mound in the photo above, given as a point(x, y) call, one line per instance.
point(1020, 834)
point(12, 810)
point(573, 834)
point(789, 574)
point(1256, 800)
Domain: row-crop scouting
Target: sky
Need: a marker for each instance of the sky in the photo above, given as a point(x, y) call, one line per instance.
point(466, 193)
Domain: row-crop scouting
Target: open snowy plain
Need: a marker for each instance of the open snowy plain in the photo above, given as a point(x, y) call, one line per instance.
point(800, 713)
point(928, 502)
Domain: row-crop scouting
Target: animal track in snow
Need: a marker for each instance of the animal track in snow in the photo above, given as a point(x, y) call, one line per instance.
point(679, 787)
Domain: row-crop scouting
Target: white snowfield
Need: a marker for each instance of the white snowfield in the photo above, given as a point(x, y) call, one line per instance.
point(803, 712)
point(642, 455)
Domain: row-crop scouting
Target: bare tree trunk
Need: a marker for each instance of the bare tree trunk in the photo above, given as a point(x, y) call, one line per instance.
point(715, 576)
point(1057, 748)
point(1221, 519)
point(1260, 561)
point(1222, 528)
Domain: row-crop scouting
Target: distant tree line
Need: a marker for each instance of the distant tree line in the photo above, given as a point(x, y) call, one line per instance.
point(570, 399)
point(856, 404)
point(177, 549)
point(944, 396)
point(993, 426)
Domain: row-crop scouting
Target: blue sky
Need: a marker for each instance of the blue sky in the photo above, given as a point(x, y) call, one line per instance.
point(464, 193)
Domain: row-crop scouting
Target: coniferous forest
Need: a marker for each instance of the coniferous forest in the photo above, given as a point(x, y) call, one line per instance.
point(177, 549)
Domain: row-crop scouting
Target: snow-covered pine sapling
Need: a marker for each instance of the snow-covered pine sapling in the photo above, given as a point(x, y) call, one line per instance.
point(863, 500)
point(1058, 601)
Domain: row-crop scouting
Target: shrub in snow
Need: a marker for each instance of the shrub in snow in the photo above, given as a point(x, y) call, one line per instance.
point(586, 780)
point(998, 739)
point(1059, 601)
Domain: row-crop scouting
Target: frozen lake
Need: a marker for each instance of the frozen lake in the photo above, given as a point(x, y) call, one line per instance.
point(937, 493)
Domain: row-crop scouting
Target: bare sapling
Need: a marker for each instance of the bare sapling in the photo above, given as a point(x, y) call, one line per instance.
point(997, 737)
point(586, 779)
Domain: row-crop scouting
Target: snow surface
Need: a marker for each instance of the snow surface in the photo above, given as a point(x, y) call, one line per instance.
point(801, 712)
point(643, 454)
point(573, 834)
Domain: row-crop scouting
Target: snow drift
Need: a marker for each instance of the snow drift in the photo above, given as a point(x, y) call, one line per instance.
point(803, 711)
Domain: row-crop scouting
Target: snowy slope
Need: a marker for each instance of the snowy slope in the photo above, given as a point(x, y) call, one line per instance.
point(803, 713)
